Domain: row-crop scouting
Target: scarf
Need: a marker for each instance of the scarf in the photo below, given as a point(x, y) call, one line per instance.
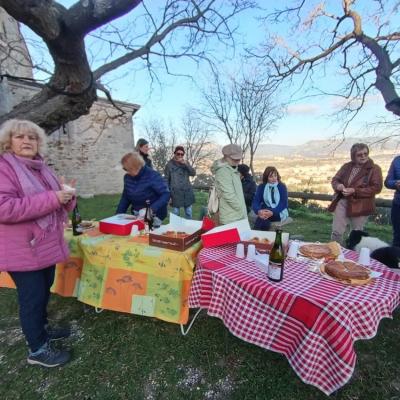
point(31, 185)
point(272, 196)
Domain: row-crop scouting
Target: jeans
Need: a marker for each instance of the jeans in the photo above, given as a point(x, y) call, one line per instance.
point(33, 289)
point(395, 215)
point(188, 211)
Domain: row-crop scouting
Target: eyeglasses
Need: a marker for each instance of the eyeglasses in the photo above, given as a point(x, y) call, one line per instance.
point(364, 154)
point(179, 154)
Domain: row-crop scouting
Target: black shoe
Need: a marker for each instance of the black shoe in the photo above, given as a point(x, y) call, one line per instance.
point(57, 333)
point(49, 357)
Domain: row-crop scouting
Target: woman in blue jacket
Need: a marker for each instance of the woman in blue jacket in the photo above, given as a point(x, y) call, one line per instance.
point(392, 181)
point(270, 201)
point(142, 183)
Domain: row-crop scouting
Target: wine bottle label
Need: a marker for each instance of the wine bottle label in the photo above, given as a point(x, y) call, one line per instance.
point(274, 270)
point(146, 228)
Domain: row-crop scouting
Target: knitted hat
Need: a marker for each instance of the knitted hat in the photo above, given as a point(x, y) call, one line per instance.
point(179, 148)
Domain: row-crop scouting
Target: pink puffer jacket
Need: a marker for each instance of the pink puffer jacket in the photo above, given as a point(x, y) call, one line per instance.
point(19, 250)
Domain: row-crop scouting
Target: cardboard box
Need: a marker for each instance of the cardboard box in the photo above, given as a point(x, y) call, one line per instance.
point(261, 245)
point(120, 224)
point(225, 234)
point(191, 228)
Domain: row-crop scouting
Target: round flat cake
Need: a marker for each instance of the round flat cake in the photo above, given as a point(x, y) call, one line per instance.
point(347, 271)
point(315, 250)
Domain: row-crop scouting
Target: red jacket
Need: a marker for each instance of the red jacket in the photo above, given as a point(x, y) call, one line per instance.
point(367, 183)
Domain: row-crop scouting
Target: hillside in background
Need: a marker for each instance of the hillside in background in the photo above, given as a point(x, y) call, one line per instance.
point(326, 148)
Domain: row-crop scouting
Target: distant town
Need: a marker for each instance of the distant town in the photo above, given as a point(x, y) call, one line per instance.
point(311, 174)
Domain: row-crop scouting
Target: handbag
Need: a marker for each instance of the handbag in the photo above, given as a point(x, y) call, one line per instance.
point(335, 201)
point(213, 201)
point(207, 224)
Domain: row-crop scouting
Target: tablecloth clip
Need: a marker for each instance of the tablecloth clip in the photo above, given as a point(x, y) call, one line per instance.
point(191, 323)
point(98, 310)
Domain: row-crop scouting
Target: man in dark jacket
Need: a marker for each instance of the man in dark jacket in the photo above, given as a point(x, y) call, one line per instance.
point(248, 184)
point(177, 172)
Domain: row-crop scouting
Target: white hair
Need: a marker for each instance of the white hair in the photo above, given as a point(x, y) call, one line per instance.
point(15, 126)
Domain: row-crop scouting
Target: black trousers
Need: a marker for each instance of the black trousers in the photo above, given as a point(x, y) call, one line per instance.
point(33, 288)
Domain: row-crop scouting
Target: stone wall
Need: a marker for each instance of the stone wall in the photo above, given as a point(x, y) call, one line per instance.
point(90, 149)
point(14, 55)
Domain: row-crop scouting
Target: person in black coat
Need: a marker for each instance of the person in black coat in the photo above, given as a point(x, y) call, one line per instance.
point(248, 184)
point(177, 172)
point(142, 146)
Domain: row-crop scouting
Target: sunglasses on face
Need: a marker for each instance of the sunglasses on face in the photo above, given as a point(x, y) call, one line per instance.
point(179, 154)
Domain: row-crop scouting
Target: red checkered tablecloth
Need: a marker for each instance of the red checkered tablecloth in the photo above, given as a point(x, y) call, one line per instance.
point(311, 320)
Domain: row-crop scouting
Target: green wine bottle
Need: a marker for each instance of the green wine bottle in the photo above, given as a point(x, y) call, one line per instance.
point(76, 222)
point(148, 218)
point(276, 259)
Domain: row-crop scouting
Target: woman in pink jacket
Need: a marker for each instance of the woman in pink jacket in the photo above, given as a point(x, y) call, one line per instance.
point(33, 207)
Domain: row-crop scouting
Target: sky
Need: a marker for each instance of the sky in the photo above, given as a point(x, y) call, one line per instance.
point(306, 119)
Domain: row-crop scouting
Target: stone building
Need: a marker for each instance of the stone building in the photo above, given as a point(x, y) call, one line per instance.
point(89, 148)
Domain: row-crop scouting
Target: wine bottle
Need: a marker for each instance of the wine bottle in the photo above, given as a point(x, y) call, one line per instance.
point(76, 222)
point(148, 218)
point(276, 259)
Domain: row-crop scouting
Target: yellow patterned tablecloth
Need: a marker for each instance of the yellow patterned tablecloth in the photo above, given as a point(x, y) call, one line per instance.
point(125, 274)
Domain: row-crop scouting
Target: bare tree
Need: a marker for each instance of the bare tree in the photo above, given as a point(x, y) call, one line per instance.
point(352, 43)
point(162, 142)
point(197, 140)
point(179, 29)
point(257, 112)
point(243, 107)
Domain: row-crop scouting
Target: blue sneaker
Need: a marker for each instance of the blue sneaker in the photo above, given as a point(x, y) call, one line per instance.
point(48, 357)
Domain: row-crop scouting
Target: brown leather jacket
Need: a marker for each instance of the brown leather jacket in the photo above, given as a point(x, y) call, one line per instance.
point(367, 183)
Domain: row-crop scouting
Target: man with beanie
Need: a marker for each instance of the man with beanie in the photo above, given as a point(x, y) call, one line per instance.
point(142, 146)
point(177, 172)
point(232, 206)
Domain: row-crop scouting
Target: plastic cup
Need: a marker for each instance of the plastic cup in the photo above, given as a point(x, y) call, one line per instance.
point(251, 252)
point(134, 230)
point(293, 249)
point(240, 250)
point(68, 188)
point(364, 258)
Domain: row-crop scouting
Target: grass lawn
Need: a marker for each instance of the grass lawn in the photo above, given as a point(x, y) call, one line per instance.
point(121, 356)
